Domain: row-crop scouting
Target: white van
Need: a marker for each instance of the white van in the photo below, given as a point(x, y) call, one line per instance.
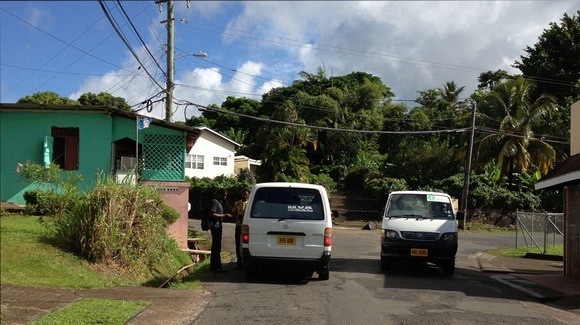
point(287, 225)
point(419, 226)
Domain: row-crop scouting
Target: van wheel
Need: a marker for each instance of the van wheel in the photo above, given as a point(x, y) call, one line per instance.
point(324, 275)
point(385, 263)
point(251, 272)
point(449, 268)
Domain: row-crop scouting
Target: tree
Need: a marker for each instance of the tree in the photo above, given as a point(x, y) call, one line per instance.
point(450, 93)
point(104, 99)
point(488, 80)
point(553, 62)
point(515, 146)
point(46, 98)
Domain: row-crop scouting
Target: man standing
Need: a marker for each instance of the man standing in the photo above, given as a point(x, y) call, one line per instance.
point(217, 212)
point(238, 212)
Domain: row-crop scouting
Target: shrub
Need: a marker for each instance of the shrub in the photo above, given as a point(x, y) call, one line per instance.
point(381, 187)
point(202, 190)
point(324, 180)
point(43, 203)
point(117, 224)
point(487, 197)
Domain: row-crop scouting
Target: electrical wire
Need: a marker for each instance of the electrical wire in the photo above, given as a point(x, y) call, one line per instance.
point(140, 38)
point(60, 40)
point(120, 33)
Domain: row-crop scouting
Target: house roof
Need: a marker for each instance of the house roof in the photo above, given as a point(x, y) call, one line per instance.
point(96, 110)
point(249, 160)
point(566, 173)
point(205, 128)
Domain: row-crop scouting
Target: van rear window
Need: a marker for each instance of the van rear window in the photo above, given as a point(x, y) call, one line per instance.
point(287, 203)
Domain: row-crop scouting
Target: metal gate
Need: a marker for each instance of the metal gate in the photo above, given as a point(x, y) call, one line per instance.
point(539, 229)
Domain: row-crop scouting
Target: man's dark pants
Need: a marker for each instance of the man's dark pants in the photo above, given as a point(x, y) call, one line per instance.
point(238, 235)
point(215, 262)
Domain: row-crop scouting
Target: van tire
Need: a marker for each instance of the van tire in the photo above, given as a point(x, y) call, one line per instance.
point(385, 263)
point(448, 268)
point(251, 272)
point(324, 275)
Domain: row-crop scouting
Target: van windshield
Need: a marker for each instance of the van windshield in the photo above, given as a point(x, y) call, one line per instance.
point(430, 206)
point(287, 203)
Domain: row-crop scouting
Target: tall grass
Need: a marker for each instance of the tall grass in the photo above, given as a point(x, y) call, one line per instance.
point(120, 225)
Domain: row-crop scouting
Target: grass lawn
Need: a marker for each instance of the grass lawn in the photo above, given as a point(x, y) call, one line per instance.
point(557, 250)
point(94, 311)
point(30, 258)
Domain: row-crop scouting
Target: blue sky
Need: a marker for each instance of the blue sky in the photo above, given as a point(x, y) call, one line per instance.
point(70, 47)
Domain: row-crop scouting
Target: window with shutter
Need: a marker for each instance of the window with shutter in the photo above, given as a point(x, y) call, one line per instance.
point(65, 147)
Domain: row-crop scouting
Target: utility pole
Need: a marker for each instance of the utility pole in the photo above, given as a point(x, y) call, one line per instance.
point(170, 62)
point(465, 192)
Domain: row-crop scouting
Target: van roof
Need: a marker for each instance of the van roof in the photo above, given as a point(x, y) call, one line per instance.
point(419, 192)
point(288, 184)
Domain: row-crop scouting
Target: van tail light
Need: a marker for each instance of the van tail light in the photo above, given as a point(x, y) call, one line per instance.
point(245, 234)
point(327, 237)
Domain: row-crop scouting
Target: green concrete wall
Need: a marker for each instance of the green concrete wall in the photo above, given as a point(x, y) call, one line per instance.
point(22, 137)
point(22, 140)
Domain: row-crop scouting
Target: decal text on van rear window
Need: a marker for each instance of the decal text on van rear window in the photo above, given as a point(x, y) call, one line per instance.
point(300, 208)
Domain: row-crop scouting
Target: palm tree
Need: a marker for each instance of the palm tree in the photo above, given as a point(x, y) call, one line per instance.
point(515, 144)
point(450, 92)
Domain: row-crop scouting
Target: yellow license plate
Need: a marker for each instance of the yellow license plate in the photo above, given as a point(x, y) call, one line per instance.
point(419, 252)
point(286, 240)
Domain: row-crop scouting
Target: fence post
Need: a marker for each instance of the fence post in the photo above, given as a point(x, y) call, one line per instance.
point(545, 231)
point(517, 225)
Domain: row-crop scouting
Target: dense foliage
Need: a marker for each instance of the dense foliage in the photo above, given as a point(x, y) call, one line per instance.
point(555, 59)
point(89, 99)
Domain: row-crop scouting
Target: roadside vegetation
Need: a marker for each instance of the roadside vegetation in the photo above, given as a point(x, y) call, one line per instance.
point(94, 311)
point(556, 250)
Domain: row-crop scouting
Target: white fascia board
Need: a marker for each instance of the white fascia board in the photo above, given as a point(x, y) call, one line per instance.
point(573, 176)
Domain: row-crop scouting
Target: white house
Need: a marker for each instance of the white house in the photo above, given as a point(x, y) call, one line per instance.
point(212, 155)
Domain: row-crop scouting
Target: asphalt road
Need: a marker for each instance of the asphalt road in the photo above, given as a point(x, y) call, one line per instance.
point(359, 293)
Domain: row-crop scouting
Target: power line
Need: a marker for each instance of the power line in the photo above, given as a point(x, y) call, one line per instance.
point(120, 33)
point(140, 39)
point(62, 72)
point(64, 42)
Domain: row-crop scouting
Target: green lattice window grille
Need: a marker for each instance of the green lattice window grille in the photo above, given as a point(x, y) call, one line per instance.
point(163, 157)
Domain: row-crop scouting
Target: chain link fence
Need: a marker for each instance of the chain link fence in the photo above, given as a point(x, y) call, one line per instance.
point(539, 230)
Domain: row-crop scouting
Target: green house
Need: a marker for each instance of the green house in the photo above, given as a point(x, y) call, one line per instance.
point(89, 140)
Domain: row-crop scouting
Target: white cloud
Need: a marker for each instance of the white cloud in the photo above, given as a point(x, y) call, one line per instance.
point(38, 17)
point(410, 45)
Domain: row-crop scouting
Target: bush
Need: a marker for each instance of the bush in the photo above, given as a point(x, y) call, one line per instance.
point(42, 203)
point(324, 180)
point(202, 190)
point(487, 197)
point(117, 224)
point(381, 187)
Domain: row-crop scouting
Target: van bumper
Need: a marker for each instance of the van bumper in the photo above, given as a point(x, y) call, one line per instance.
point(437, 251)
point(308, 264)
